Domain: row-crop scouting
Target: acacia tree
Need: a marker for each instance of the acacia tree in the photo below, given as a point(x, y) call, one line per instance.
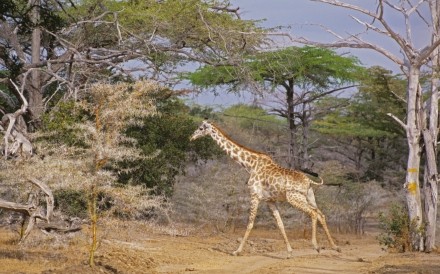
point(114, 108)
point(301, 74)
point(53, 49)
point(419, 116)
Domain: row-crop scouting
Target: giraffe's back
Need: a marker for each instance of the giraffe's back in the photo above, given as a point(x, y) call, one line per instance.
point(277, 181)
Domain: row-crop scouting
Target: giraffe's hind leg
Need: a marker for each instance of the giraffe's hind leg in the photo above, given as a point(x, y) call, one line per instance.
point(252, 215)
point(321, 218)
point(299, 201)
point(273, 207)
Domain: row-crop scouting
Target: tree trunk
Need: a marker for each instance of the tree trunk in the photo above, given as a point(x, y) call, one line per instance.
point(35, 96)
point(413, 132)
point(430, 136)
point(304, 161)
point(430, 191)
point(292, 158)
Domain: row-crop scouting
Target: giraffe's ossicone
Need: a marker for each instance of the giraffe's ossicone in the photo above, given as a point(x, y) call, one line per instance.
point(271, 183)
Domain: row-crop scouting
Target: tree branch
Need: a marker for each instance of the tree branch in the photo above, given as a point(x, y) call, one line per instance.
point(404, 44)
point(398, 121)
point(11, 132)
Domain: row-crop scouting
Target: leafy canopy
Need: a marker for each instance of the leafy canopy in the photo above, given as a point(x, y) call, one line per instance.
point(365, 115)
point(302, 66)
point(166, 136)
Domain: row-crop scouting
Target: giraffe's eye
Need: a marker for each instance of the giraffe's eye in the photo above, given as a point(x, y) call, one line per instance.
point(201, 127)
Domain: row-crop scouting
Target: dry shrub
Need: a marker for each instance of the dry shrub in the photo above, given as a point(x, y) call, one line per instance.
point(348, 204)
point(213, 194)
point(397, 230)
point(71, 168)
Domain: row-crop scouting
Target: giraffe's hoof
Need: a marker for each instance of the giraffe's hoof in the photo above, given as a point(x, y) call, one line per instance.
point(338, 249)
point(235, 253)
point(318, 249)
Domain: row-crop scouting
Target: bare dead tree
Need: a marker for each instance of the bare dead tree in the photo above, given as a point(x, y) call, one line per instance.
point(32, 210)
point(411, 63)
point(11, 125)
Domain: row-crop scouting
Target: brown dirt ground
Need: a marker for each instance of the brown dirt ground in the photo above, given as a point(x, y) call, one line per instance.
point(132, 247)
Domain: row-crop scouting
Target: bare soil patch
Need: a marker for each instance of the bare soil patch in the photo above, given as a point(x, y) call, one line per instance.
point(131, 247)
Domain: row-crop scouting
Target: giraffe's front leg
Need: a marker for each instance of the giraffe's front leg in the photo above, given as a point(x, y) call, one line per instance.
point(253, 213)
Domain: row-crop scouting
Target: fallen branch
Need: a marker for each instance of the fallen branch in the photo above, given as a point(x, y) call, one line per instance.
point(58, 228)
point(32, 210)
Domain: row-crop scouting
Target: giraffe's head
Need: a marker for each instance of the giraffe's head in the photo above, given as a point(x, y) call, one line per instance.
point(203, 130)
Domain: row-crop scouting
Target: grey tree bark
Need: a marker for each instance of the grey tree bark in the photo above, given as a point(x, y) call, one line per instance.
point(34, 87)
point(430, 136)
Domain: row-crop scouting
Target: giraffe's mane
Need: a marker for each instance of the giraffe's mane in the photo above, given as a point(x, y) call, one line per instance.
point(239, 145)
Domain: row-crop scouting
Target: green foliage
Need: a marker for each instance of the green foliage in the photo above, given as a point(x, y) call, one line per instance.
point(7, 100)
point(365, 114)
point(158, 36)
point(19, 11)
point(202, 112)
point(165, 136)
point(184, 24)
point(351, 118)
point(304, 66)
point(74, 203)
point(59, 124)
point(362, 121)
point(396, 228)
point(255, 118)
point(71, 202)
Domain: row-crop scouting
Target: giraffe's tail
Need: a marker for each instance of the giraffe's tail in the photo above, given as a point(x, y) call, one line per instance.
point(315, 183)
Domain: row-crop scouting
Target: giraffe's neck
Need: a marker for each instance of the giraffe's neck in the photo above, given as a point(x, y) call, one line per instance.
point(245, 157)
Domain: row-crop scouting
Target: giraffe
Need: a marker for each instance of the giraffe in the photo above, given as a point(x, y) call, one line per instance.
point(270, 183)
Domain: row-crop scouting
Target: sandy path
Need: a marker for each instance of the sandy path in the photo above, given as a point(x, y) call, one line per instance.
point(136, 249)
